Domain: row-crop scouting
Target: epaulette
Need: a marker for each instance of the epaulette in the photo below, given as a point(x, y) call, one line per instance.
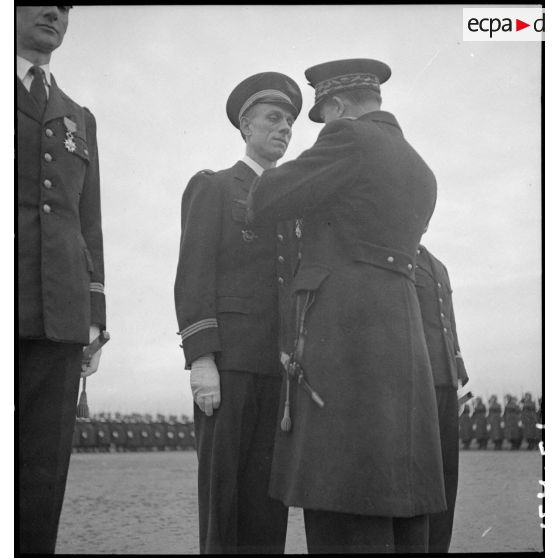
point(206, 171)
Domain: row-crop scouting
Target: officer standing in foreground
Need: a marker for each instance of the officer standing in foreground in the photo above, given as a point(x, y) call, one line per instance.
point(227, 304)
point(448, 369)
point(360, 367)
point(61, 304)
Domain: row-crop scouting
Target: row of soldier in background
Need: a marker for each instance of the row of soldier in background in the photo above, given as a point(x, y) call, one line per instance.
point(136, 432)
point(515, 424)
point(103, 433)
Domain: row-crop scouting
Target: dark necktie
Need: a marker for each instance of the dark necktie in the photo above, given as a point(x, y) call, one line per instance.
point(38, 91)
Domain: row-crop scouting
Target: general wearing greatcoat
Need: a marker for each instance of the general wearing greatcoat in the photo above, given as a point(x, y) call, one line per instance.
point(60, 243)
point(365, 196)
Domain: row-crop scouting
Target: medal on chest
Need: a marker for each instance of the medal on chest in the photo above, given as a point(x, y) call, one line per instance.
point(249, 235)
point(71, 128)
point(298, 228)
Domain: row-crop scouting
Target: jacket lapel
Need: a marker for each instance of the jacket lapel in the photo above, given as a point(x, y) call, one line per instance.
point(56, 106)
point(244, 175)
point(25, 102)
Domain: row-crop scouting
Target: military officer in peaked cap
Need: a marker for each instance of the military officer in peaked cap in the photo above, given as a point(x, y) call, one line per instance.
point(448, 368)
point(360, 366)
point(61, 302)
point(231, 280)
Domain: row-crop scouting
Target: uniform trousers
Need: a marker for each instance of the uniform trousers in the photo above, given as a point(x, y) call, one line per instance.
point(441, 524)
point(48, 384)
point(235, 450)
point(343, 533)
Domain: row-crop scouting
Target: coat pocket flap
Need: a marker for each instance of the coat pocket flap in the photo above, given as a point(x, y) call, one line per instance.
point(233, 304)
point(310, 278)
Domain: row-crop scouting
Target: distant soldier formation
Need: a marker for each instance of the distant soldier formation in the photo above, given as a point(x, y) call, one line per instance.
point(516, 424)
point(103, 433)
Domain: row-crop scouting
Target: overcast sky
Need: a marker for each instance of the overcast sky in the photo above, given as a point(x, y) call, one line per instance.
point(157, 80)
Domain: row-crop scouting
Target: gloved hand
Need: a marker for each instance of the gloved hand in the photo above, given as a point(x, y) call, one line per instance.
point(204, 381)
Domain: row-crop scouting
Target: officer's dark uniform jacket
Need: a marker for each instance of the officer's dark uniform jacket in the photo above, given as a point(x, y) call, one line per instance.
point(60, 244)
point(436, 306)
point(365, 196)
point(229, 275)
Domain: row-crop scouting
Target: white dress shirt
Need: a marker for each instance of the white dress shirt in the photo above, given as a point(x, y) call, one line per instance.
point(22, 68)
point(256, 167)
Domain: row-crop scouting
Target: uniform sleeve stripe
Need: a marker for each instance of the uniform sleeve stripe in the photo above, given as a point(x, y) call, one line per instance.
point(97, 287)
point(198, 326)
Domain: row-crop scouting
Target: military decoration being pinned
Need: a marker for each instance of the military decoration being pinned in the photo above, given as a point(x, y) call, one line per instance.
point(249, 235)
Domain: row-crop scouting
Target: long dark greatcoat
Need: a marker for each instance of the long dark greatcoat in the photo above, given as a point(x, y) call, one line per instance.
point(365, 196)
point(495, 424)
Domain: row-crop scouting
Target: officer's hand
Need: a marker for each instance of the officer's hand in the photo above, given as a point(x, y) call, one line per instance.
point(204, 381)
point(90, 367)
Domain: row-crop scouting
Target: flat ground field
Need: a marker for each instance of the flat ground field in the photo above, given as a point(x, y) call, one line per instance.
point(145, 503)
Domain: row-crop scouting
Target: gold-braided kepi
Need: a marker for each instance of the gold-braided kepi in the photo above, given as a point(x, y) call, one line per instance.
point(266, 87)
point(344, 75)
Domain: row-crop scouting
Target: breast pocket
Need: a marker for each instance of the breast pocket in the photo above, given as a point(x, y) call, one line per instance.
point(238, 211)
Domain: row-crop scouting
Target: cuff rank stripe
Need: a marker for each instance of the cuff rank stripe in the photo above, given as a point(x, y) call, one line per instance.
point(97, 288)
point(198, 326)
